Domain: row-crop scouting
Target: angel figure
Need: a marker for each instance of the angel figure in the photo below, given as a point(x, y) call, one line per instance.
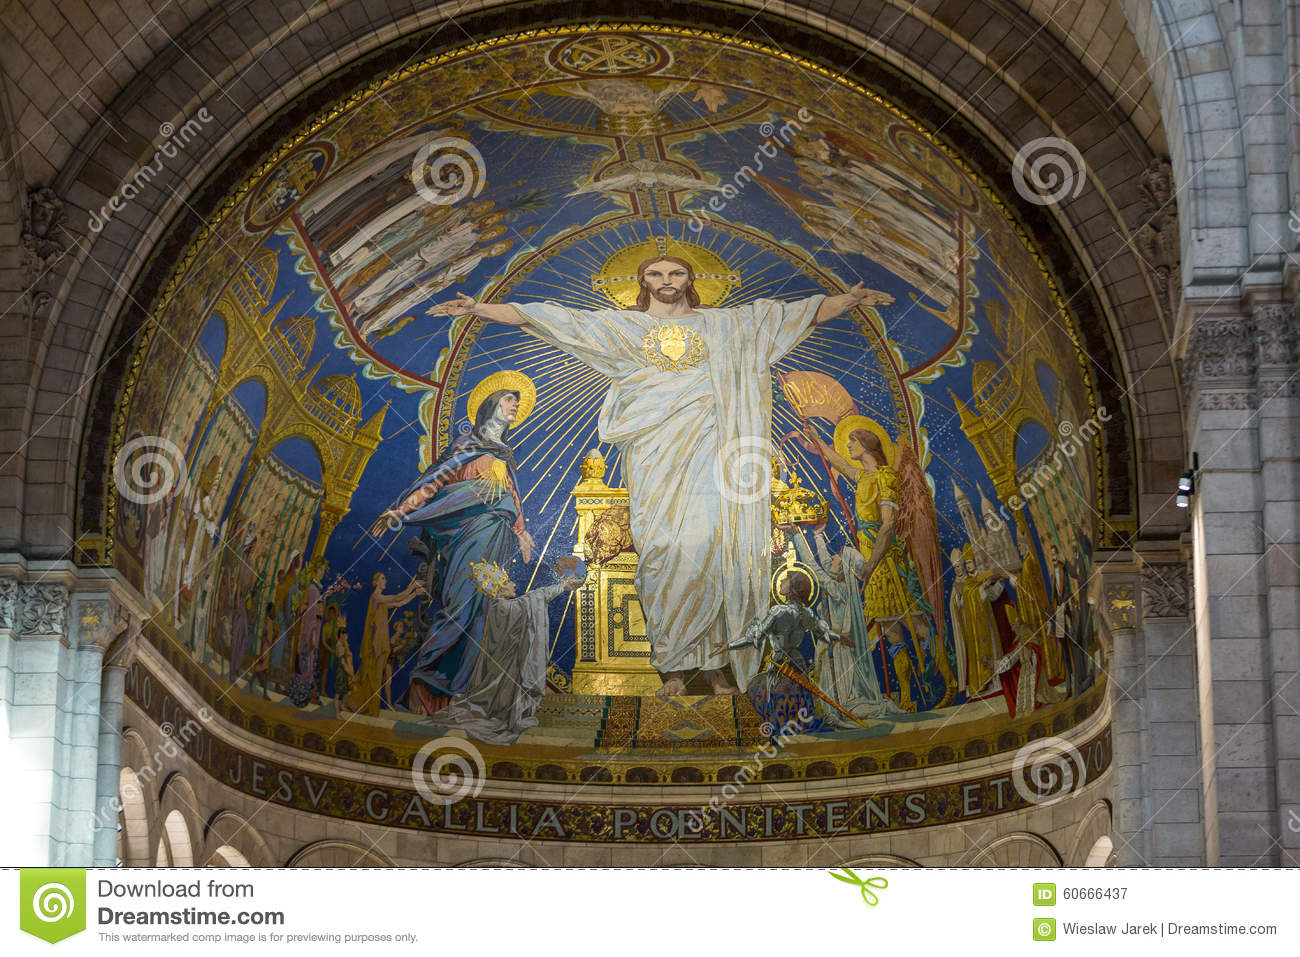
point(897, 532)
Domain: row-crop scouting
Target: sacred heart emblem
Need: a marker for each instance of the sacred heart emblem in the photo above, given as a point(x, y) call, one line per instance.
point(674, 347)
point(672, 342)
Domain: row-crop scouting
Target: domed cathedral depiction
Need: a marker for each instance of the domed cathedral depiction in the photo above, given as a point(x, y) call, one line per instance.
point(710, 433)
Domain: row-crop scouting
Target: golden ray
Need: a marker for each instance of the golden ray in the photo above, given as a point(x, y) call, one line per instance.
point(563, 426)
point(561, 408)
point(514, 350)
point(558, 403)
point(542, 554)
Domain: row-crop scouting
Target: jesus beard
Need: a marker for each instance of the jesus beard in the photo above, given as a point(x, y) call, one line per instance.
point(668, 296)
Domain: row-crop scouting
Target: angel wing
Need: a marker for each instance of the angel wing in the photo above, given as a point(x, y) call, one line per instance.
point(918, 526)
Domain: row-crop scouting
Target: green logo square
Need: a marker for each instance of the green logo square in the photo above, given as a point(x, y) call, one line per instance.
point(1044, 895)
point(1044, 928)
point(52, 902)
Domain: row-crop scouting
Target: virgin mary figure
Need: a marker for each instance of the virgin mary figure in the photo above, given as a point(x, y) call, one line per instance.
point(468, 503)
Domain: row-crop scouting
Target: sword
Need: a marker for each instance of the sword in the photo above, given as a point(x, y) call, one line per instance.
point(807, 685)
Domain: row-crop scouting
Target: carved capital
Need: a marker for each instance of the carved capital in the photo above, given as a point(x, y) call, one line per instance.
point(1221, 356)
point(8, 603)
point(100, 621)
point(1164, 590)
point(1120, 605)
point(1276, 333)
point(45, 609)
point(1229, 401)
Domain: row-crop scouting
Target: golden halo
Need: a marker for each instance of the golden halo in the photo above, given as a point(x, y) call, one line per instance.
point(851, 423)
point(780, 574)
point(508, 379)
point(714, 279)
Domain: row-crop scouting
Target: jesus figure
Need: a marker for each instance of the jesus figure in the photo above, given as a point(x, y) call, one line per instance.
point(689, 403)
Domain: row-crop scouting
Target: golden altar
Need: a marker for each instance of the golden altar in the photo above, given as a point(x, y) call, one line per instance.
point(612, 653)
point(612, 656)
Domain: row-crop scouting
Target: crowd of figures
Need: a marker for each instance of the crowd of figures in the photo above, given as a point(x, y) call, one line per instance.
point(863, 633)
point(859, 632)
point(300, 645)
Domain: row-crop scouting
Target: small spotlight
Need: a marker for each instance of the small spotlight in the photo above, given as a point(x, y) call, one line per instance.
point(1187, 483)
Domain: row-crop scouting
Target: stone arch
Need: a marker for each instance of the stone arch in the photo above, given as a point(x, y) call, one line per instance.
point(227, 856)
point(180, 823)
point(1190, 66)
point(881, 860)
point(1019, 849)
point(493, 862)
point(332, 853)
point(133, 819)
point(175, 846)
point(975, 71)
point(1102, 853)
point(1095, 825)
point(136, 756)
point(227, 829)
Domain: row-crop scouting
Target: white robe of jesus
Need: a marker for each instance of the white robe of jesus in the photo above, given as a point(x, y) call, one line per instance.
point(703, 559)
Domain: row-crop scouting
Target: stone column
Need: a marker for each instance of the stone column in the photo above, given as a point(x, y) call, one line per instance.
point(1233, 647)
point(54, 620)
point(118, 640)
point(1173, 735)
point(1120, 605)
point(39, 702)
point(107, 802)
point(1277, 328)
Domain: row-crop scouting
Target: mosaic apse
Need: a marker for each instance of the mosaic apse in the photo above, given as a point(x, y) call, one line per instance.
point(367, 516)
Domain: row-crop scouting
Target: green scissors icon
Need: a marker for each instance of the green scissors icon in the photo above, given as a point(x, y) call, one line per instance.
point(865, 885)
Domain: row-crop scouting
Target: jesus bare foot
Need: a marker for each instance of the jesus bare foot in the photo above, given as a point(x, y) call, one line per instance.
point(718, 682)
point(673, 686)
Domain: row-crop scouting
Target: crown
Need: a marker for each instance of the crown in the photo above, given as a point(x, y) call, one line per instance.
point(489, 577)
point(796, 505)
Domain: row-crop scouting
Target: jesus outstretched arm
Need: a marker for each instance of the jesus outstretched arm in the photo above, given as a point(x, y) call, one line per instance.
point(689, 398)
point(831, 307)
